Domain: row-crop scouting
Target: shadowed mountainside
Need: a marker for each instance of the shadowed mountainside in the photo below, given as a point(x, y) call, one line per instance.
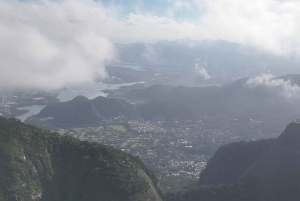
point(267, 170)
point(232, 160)
point(81, 111)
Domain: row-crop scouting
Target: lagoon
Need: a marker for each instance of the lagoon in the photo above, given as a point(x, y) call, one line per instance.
point(89, 90)
point(32, 110)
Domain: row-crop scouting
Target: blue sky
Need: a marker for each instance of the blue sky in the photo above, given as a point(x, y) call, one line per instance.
point(271, 25)
point(181, 10)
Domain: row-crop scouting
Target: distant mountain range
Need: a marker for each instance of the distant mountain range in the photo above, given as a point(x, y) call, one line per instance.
point(216, 56)
point(82, 112)
point(266, 170)
point(277, 98)
point(239, 96)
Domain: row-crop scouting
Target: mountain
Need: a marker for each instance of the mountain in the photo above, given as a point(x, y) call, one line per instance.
point(236, 97)
point(231, 161)
point(293, 78)
point(201, 99)
point(266, 170)
point(216, 56)
point(276, 175)
point(81, 111)
point(37, 165)
point(166, 109)
point(270, 106)
point(243, 96)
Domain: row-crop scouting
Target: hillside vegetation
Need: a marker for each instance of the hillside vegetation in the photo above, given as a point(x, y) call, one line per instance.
point(82, 111)
point(44, 166)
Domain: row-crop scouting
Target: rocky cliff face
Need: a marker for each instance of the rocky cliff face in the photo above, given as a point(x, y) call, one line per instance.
point(231, 161)
point(276, 175)
point(267, 170)
point(37, 165)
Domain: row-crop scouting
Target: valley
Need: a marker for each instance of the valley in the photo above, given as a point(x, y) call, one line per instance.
point(172, 100)
point(174, 138)
point(174, 145)
point(177, 151)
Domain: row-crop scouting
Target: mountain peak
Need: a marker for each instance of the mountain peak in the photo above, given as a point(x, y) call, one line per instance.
point(296, 121)
point(80, 98)
point(291, 135)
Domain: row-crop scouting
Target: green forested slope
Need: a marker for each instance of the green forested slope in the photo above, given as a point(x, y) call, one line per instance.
point(39, 165)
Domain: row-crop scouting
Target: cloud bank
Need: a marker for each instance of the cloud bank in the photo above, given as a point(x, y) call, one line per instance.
point(47, 45)
point(280, 86)
point(271, 25)
point(268, 24)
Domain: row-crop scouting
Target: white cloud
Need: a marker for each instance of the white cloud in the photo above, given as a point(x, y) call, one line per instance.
point(271, 25)
point(141, 20)
point(283, 87)
point(200, 69)
point(49, 44)
point(149, 53)
point(151, 28)
point(268, 24)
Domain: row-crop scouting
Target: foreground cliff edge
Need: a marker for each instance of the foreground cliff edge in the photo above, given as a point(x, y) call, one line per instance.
point(265, 170)
point(37, 165)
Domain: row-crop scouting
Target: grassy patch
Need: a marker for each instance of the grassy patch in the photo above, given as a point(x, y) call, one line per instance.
point(118, 128)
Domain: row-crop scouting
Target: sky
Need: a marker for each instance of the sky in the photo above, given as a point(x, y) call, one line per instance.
point(50, 44)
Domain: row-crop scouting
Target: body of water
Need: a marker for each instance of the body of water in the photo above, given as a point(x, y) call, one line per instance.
point(89, 90)
point(133, 67)
point(32, 110)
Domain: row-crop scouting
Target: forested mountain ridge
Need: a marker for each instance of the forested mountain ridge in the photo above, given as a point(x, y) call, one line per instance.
point(172, 102)
point(270, 101)
point(43, 166)
point(82, 111)
point(236, 97)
